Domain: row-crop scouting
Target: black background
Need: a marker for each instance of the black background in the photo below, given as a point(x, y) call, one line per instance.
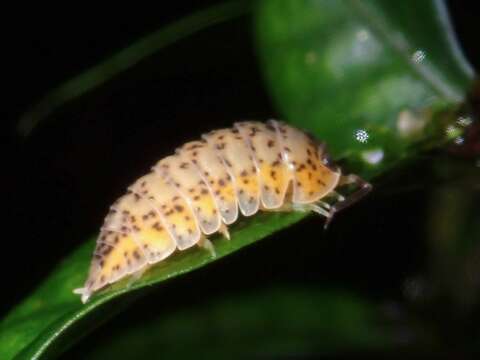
point(59, 182)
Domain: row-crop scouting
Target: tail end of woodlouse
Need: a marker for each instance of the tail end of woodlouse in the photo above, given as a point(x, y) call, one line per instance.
point(84, 294)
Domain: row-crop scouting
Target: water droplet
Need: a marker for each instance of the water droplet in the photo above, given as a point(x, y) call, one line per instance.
point(409, 123)
point(363, 35)
point(361, 135)
point(373, 157)
point(459, 140)
point(464, 121)
point(452, 131)
point(418, 56)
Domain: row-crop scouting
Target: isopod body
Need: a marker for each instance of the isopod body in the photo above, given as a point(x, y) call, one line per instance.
point(205, 185)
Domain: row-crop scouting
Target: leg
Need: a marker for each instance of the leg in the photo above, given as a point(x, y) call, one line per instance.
point(224, 231)
point(343, 202)
point(207, 245)
point(137, 275)
point(318, 208)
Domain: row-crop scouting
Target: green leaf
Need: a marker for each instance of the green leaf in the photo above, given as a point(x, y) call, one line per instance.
point(53, 318)
point(272, 322)
point(333, 67)
point(365, 76)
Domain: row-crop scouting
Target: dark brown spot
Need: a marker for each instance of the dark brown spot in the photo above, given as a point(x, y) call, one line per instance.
point(217, 192)
point(235, 131)
point(229, 164)
point(221, 182)
point(187, 218)
point(320, 182)
point(270, 143)
point(184, 165)
point(273, 174)
point(175, 198)
point(244, 173)
point(266, 188)
point(245, 181)
point(204, 191)
point(196, 198)
point(191, 190)
point(179, 208)
point(270, 127)
point(277, 191)
point(220, 146)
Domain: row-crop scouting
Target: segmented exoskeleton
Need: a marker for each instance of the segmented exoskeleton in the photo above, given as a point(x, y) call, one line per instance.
point(203, 187)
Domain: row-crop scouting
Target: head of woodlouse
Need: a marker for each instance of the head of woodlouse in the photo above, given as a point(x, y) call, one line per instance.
point(322, 151)
point(326, 158)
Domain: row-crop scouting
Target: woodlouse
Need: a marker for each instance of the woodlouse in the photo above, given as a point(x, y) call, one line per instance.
point(203, 186)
